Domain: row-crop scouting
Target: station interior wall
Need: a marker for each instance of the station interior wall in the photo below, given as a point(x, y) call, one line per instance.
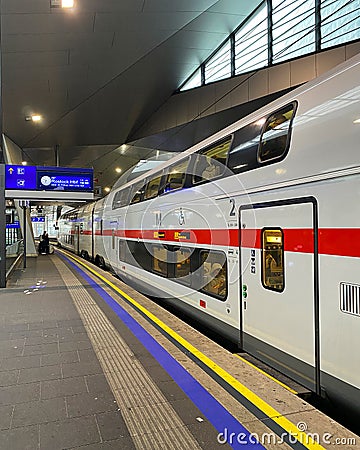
point(188, 106)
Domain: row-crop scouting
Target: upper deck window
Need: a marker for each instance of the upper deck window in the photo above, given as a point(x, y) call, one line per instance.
point(120, 198)
point(137, 192)
point(243, 154)
point(176, 176)
point(152, 188)
point(275, 139)
point(211, 162)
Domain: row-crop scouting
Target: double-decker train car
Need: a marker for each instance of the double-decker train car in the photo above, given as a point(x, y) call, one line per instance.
point(254, 232)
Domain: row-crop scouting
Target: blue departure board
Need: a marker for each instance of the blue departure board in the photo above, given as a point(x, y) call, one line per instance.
point(38, 219)
point(20, 177)
point(64, 179)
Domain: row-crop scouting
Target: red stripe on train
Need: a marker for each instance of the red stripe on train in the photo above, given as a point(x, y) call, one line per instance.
point(332, 241)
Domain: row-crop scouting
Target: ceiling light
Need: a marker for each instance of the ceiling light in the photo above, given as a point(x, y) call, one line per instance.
point(24, 163)
point(67, 3)
point(62, 3)
point(107, 189)
point(118, 170)
point(33, 118)
point(357, 121)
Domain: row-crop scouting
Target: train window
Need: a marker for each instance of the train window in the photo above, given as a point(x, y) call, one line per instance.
point(152, 188)
point(137, 192)
point(182, 264)
point(243, 154)
point(176, 176)
point(211, 161)
point(214, 273)
point(122, 250)
point(275, 139)
point(273, 276)
point(160, 261)
point(120, 198)
point(129, 252)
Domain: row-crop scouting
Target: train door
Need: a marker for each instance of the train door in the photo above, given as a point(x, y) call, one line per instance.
point(77, 239)
point(279, 288)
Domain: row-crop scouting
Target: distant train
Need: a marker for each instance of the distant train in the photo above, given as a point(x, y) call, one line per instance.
point(255, 232)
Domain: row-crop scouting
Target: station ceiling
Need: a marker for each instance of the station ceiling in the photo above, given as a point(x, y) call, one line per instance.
point(96, 72)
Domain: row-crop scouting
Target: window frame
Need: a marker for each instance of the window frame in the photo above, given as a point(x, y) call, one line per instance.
point(237, 135)
point(141, 184)
point(184, 279)
point(263, 257)
point(279, 111)
point(202, 153)
point(159, 175)
point(167, 174)
point(159, 272)
point(225, 264)
point(120, 194)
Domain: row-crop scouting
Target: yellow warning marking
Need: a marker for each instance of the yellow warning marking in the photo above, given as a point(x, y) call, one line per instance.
point(303, 438)
point(266, 374)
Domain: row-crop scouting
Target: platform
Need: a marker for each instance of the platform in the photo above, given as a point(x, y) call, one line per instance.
point(88, 363)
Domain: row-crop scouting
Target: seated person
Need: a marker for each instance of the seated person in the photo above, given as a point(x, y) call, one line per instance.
point(217, 284)
point(211, 171)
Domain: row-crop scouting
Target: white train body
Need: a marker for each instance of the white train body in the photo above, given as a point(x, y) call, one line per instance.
point(285, 232)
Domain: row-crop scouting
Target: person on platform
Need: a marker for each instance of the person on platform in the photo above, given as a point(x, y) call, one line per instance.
point(44, 245)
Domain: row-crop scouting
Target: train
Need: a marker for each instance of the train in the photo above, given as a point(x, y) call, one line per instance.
point(253, 232)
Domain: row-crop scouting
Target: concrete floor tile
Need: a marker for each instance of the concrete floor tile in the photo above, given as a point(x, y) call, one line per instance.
point(97, 383)
point(74, 345)
point(41, 349)
point(69, 433)
point(59, 358)
point(11, 395)
point(112, 425)
point(84, 404)
point(39, 374)
point(63, 387)
point(20, 362)
point(9, 378)
point(41, 411)
point(5, 416)
point(81, 368)
point(25, 438)
point(124, 443)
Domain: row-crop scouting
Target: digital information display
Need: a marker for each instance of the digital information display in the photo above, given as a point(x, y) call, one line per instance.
point(38, 219)
point(64, 181)
point(48, 178)
point(20, 177)
point(15, 224)
point(34, 178)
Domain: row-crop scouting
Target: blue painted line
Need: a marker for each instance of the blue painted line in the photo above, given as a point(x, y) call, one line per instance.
point(230, 430)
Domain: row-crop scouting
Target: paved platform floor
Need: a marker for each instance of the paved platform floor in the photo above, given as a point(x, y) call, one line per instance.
point(74, 376)
point(53, 391)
